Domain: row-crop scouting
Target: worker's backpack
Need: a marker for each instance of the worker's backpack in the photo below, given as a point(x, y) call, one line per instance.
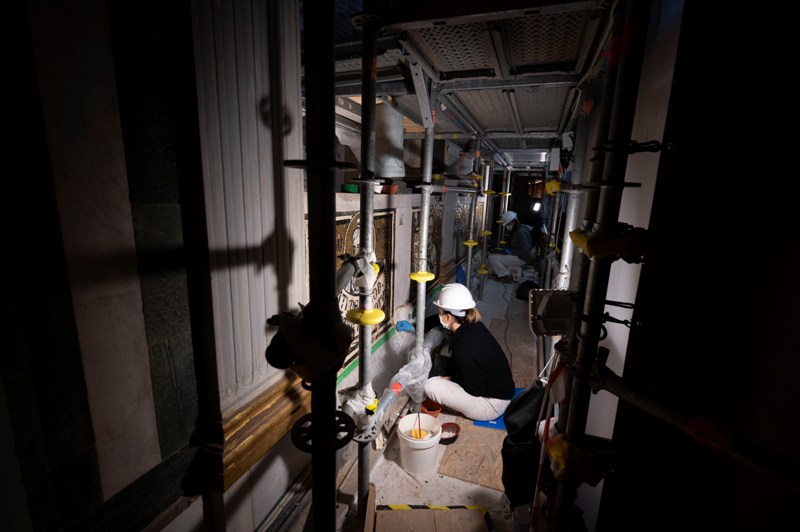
point(521, 446)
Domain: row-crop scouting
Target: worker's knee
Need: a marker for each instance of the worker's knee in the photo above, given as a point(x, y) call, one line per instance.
point(433, 388)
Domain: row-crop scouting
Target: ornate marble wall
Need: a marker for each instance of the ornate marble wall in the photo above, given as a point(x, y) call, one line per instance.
point(434, 251)
point(348, 241)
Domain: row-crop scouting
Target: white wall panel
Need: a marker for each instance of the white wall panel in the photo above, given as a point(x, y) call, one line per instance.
point(256, 244)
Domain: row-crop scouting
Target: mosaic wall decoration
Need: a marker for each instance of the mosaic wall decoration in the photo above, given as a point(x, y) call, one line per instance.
point(478, 219)
point(348, 240)
point(434, 252)
point(461, 226)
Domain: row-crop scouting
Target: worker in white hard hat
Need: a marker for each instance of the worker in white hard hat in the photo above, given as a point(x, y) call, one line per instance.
point(480, 385)
point(516, 253)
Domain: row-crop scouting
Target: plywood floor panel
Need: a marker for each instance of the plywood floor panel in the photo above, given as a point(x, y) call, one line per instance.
point(475, 456)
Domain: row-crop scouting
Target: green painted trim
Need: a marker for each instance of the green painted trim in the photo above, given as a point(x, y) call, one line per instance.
point(354, 363)
point(347, 371)
point(383, 339)
point(434, 293)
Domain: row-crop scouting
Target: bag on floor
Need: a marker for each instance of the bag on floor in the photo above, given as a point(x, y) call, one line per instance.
point(522, 413)
point(524, 288)
point(520, 469)
point(521, 446)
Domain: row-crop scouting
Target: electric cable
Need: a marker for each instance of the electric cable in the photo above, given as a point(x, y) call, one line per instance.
point(505, 331)
point(552, 357)
point(548, 409)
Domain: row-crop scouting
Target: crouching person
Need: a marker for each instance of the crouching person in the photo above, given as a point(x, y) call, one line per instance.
point(481, 384)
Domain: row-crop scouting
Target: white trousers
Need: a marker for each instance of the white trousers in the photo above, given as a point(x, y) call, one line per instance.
point(453, 396)
point(502, 265)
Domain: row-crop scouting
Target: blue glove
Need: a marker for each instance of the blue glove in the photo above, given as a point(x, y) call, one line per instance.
point(404, 326)
point(507, 251)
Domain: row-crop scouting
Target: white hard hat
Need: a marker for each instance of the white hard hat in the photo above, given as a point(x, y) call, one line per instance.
point(455, 298)
point(508, 217)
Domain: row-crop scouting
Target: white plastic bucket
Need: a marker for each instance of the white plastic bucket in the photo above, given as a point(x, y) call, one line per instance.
point(418, 456)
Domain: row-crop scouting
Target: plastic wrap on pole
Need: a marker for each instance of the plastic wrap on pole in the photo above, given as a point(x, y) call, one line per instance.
point(410, 379)
point(344, 275)
point(388, 142)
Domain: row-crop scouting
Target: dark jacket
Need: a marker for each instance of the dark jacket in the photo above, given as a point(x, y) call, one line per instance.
point(521, 243)
point(481, 367)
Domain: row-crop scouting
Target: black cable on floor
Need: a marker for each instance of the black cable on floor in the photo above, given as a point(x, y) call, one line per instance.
point(508, 322)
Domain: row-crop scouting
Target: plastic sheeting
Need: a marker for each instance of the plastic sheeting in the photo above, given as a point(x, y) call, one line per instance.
point(410, 378)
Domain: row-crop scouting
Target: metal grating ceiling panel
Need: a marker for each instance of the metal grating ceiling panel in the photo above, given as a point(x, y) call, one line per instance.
point(344, 30)
point(507, 143)
point(447, 120)
point(454, 48)
point(540, 107)
point(489, 108)
point(542, 39)
point(510, 143)
point(508, 74)
point(539, 144)
point(389, 58)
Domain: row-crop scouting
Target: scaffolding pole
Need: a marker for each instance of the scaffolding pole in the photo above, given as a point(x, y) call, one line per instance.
point(632, 17)
point(471, 242)
point(485, 233)
point(369, 34)
point(504, 195)
point(553, 230)
point(747, 453)
point(422, 276)
point(321, 153)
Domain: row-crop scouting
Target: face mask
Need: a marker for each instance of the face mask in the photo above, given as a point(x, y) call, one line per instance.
point(441, 320)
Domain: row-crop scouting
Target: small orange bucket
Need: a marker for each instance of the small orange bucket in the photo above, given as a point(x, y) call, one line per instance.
point(432, 408)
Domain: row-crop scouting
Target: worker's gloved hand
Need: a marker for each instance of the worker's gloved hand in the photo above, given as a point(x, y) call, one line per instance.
point(507, 251)
point(404, 326)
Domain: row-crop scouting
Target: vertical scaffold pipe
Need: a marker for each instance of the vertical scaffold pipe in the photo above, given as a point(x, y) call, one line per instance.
point(369, 35)
point(485, 233)
point(422, 276)
point(575, 203)
point(553, 231)
point(365, 339)
point(580, 262)
point(579, 274)
point(634, 16)
point(321, 152)
point(504, 194)
point(471, 242)
point(486, 173)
